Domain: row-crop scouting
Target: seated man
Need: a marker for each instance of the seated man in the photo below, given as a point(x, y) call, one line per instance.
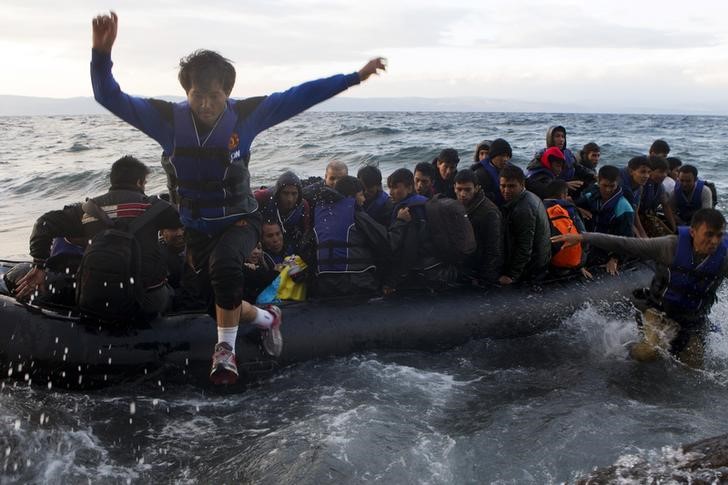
point(482, 150)
point(526, 228)
point(258, 275)
point(446, 166)
point(659, 148)
point(415, 262)
point(376, 201)
point(564, 219)
point(585, 169)
point(690, 268)
point(114, 280)
point(606, 210)
point(274, 248)
point(690, 195)
point(673, 165)
point(548, 168)
point(632, 179)
point(655, 200)
point(285, 204)
point(349, 242)
point(488, 170)
point(425, 175)
point(334, 171)
point(485, 263)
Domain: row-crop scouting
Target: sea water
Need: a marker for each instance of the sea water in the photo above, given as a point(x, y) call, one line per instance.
point(540, 409)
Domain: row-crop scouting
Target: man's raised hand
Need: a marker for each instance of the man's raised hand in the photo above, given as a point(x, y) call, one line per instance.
point(104, 29)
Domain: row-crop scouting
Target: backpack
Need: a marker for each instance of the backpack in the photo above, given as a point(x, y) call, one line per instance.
point(108, 281)
point(713, 191)
point(450, 229)
point(561, 223)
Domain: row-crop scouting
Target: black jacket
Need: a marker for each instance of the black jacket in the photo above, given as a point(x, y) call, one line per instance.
point(527, 236)
point(487, 261)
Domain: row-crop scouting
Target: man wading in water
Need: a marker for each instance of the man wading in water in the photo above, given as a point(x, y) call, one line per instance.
point(206, 141)
point(690, 268)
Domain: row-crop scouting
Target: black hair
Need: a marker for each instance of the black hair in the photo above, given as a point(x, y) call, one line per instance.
point(449, 156)
point(608, 172)
point(401, 176)
point(370, 176)
point(689, 169)
point(466, 175)
point(513, 172)
point(660, 146)
point(348, 186)
point(202, 67)
point(127, 171)
point(712, 217)
point(556, 189)
point(673, 162)
point(426, 169)
point(590, 147)
point(657, 162)
point(636, 162)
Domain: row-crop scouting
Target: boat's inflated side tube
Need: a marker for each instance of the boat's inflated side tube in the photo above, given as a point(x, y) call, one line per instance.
point(46, 347)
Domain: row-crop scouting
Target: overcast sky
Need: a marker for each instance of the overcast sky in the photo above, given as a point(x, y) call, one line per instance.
point(617, 53)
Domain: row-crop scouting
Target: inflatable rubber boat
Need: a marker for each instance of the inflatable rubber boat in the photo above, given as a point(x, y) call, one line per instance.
point(60, 349)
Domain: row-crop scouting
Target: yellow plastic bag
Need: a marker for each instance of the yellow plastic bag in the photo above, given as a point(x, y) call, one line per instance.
point(289, 289)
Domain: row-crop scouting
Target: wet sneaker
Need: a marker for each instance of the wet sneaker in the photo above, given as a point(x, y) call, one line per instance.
point(224, 365)
point(272, 338)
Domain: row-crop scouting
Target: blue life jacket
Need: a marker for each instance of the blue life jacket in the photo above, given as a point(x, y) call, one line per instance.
point(633, 196)
point(603, 212)
point(691, 287)
point(417, 204)
point(686, 208)
point(494, 176)
point(374, 206)
point(569, 165)
point(334, 227)
point(213, 182)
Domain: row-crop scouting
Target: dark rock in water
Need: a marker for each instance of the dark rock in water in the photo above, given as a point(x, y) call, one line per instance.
point(702, 462)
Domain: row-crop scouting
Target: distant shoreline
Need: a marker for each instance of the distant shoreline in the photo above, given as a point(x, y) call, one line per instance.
point(37, 106)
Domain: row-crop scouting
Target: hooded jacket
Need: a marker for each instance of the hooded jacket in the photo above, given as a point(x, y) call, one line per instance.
point(569, 171)
point(297, 221)
point(527, 236)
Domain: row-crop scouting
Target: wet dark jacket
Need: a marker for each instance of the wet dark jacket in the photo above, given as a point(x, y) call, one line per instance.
point(485, 217)
point(527, 236)
point(297, 222)
point(120, 204)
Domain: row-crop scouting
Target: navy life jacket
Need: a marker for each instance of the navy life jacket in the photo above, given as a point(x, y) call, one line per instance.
point(211, 173)
point(334, 228)
point(691, 287)
point(372, 208)
point(540, 170)
point(633, 196)
point(603, 211)
point(686, 208)
point(417, 210)
point(569, 165)
point(494, 176)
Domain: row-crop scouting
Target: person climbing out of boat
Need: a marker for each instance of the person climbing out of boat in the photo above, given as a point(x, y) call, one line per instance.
point(285, 204)
point(564, 218)
point(488, 169)
point(376, 201)
point(690, 194)
point(119, 276)
point(548, 168)
point(425, 174)
point(556, 137)
point(482, 150)
point(207, 139)
point(484, 265)
point(415, 263)
point(446, 166)
point(335, 169)
point(350, 246)
point(690, 268)
point(605, 210)
point(526, 230)
point(655, 201)
point(632, 179)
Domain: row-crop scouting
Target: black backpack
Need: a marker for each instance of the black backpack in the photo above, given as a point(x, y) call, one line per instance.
point(450, 229)
point(108, 282)
point(713, 191)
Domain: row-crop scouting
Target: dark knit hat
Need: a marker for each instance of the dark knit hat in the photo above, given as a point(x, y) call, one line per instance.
point(449, 155)
point(500, 147)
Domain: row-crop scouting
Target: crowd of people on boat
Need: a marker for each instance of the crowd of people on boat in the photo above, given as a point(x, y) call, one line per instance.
point(224, 247)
